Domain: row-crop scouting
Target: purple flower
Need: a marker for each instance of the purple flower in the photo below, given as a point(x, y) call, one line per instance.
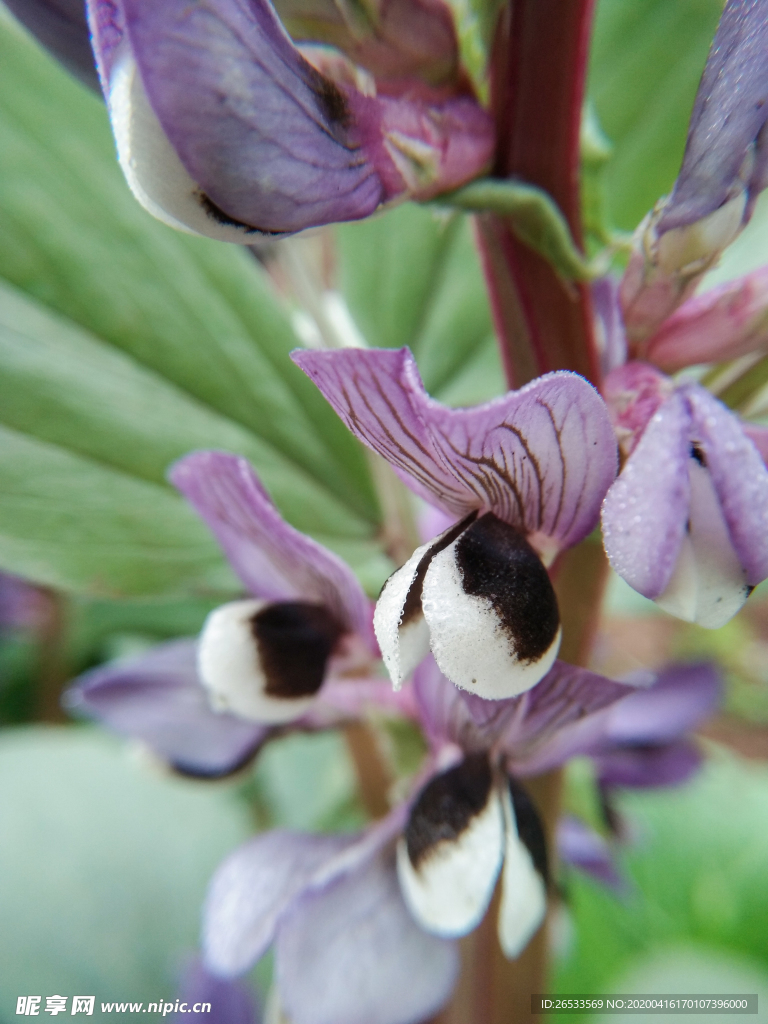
point(346, 948)
point(526, 473)
point(724, 169)
point(62, 28)
point(726, 155)
point(686, 522)
point(645, 744)
point(289, 653)
point(725, 322)
point(362, 925)
point(224, 128)
point(204, 997)
point(22, 604)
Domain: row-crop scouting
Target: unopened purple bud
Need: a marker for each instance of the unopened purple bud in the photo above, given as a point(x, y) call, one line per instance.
point(724, 323)
point(225, 129)
point(725, 155)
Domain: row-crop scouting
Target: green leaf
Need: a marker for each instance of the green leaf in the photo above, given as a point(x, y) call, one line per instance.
point(104, 865)
point(697, 876)
point(142, 343)
point(64, 386)
point(412, 277)
point(534, 217)
point(69, 522)
point(646, 60)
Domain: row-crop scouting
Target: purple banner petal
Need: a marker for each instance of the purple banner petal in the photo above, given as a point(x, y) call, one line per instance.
point(740, 479)
point(372, 393)
point(540, 458)
point(645, 511)
point(272, 559)
point(156, 698)
point(353, 953)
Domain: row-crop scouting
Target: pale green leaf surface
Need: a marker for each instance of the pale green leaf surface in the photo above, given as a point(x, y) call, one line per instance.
point(646, 60)
point(61, 385)
point(104, 865)
point(199, 313)
point(412, 277)
point(69, 522)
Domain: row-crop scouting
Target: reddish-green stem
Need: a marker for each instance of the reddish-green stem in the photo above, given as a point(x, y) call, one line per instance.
point(538, 75)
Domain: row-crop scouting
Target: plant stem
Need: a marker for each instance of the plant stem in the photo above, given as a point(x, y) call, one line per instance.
point(52, 670)
point(373, 778)
point(493, 990)
point(537, 82)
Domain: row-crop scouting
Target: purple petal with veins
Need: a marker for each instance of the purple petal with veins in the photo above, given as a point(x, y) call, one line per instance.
point(740, 479)
point(352, 952)
point(156, 698)
point(566, 713)
point(224, 128)
point(272, 559)
point(645, 511)
point(648, 767)
point(540, 458)
point(728, 119)
point(62, 28)
point(372, 393)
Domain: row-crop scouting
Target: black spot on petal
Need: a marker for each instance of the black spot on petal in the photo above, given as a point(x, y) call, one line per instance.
point(447, 805)
point(217, 214)
point(529, 828)
point(497, 562)
point(294, 640)
point(697, 453)
point(412, 607)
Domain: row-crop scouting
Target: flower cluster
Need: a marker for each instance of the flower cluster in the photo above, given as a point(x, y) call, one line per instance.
point(227, 126)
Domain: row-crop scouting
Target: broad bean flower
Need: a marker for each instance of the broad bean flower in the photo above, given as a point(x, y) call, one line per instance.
point(686, 522)
point(646, 744)
point(224, 127)
point(525, 474)
point(287, 653)
point(362, 925)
